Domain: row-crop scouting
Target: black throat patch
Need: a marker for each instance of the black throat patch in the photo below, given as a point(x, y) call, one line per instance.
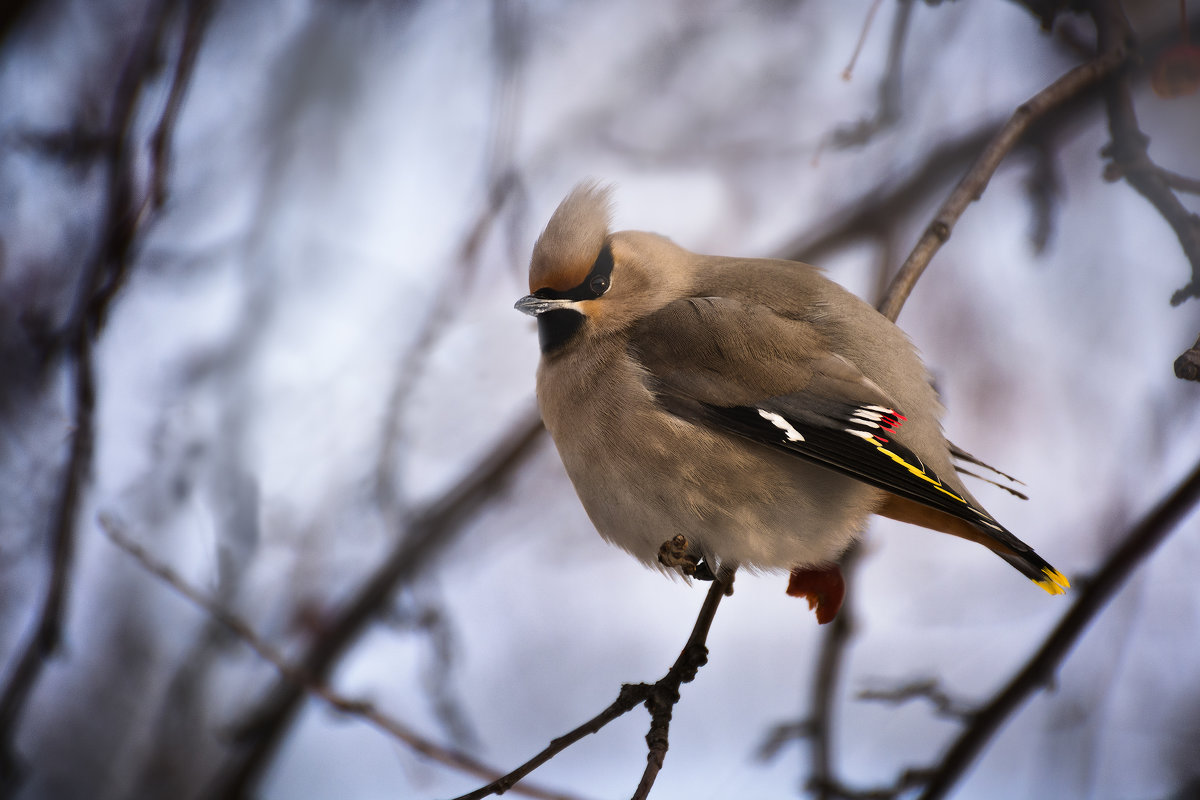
point(556, 328)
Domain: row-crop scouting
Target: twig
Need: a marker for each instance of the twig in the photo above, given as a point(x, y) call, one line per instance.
point(659, 698)
point(362, 709)
point(197, 16)
point(665, 693)
point(930, 689)
point(823, 698)
point(415, 546)
point(1138, 544)
point(975, 181)
point(883, 205)
point(1128, 148)
point(1187, 366)
point(848, 72)
point(888, 110)
point(909, 779)
point(781, 734)
point(1179, 182)
point(1043, 187)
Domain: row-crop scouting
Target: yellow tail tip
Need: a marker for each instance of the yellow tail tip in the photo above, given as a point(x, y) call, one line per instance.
point(1054, 582)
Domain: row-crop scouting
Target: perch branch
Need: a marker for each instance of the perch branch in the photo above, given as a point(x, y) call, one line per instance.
point(660, 699)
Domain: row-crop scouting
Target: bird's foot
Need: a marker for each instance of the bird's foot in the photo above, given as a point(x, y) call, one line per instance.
point(676, 553)
point(824, 588)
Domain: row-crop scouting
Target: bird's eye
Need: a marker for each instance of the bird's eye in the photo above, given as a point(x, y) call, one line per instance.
point(598, 284)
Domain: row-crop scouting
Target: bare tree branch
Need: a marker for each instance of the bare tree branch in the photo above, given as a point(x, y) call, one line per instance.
point(103, 277)
point(420, 539)
point(1130, 158)
point(361, 709)
point(1142, 540)
point(665, 694)
point(975, 181)
point(660, 699)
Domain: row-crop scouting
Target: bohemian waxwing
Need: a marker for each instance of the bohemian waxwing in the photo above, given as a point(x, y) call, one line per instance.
point(735, 411)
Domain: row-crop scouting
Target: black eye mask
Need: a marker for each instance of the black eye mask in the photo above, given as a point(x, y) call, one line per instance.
point(594, 285)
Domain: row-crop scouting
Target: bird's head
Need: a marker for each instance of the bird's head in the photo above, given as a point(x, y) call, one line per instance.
point(585, 281)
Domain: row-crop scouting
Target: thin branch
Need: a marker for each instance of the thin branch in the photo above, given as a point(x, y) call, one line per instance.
point(361, 709)
point(630, 696)
point(1179, 182)
point(888, 111)
point(421, 539)
point(1130, 158)
point(106, 272)
point(908, 780)
point(1138, 544)
point(975, 181)
point(1043, 188)
point(848, 72)
point(882, 206)
point(823, 698)
point(781, 734)
point(929, 689)
point(659, 698)
point(665, 693)
point(197, 16)
point(47, 633)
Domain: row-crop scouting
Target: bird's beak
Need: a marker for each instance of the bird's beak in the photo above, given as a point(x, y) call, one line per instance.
point(533, 306)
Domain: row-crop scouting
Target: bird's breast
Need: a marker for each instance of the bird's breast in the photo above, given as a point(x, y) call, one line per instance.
point(645, 475)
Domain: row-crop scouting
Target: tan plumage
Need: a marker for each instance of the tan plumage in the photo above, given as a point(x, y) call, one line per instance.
point(746, 410)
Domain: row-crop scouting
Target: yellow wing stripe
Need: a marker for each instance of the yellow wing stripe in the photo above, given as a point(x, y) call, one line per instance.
point(920, 473)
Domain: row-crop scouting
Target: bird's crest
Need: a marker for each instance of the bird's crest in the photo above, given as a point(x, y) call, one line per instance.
point(567, 249)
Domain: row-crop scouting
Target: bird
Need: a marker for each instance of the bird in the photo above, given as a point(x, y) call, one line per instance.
point(716, 412)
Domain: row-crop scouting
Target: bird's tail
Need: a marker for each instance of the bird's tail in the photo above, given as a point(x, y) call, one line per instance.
point(1000, 541)
point(1034, 567)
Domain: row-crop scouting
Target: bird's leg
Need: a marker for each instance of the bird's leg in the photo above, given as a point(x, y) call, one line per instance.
point(823, 587)
point(675, 553)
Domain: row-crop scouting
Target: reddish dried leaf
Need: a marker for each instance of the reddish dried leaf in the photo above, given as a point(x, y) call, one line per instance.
point(1177, 72)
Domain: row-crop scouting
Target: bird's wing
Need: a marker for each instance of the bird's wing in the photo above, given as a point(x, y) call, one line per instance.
point(743, 369)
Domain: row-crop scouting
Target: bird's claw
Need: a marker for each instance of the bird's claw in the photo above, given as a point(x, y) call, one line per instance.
point(675, 553)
